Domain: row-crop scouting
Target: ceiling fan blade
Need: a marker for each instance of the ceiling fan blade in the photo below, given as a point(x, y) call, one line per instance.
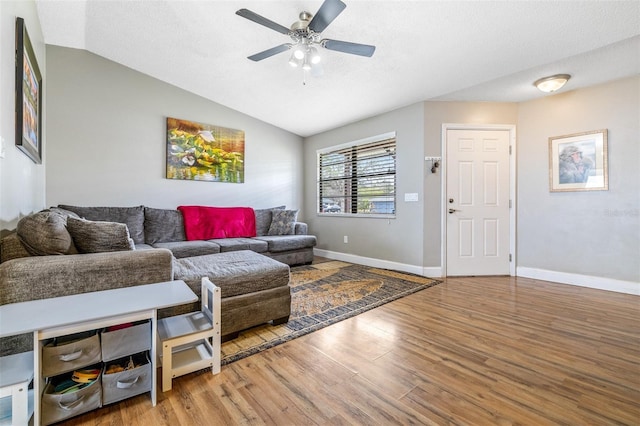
point(348, 47)
point(252, 16)
point(329, 11)
point(270, 52)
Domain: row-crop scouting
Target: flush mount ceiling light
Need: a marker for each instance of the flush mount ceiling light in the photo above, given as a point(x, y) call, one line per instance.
point(552, 83)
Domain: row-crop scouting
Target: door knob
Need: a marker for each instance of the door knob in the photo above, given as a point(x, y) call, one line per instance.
point(452, 211)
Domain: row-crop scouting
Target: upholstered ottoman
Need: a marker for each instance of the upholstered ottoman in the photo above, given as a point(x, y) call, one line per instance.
point(254, 288)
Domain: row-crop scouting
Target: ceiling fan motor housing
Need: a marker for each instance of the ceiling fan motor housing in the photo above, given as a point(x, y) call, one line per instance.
point(301, 27)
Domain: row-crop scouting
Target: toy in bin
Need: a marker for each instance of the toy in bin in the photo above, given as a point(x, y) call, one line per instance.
point(119, 367)
point(79, 379)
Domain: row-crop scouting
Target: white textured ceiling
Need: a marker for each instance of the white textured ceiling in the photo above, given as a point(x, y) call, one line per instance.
point(426, 50)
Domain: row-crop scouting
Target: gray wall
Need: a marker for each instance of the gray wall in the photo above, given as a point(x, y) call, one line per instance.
point(413, 238)
point(22, 182)
point(394, 240)
point(107, 141)
point(595, 233)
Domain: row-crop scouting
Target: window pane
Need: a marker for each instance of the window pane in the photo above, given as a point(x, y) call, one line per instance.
point(358, 179)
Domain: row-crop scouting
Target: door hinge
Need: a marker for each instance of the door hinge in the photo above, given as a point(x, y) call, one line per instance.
point(509, 203)
point(509, 257)
point(509, 149)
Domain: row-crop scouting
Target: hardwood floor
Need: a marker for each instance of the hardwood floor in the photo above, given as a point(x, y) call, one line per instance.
point(472, 351)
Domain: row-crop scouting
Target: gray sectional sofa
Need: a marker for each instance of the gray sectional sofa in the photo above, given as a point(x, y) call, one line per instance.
point(164, 228)
point(85, 249)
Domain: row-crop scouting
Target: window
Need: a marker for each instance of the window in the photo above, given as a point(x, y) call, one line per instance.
point(358, 178)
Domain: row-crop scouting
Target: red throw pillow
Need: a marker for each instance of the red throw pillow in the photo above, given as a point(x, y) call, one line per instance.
point(205, 223)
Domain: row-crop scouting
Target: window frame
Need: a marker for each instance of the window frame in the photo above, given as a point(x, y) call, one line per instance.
point(355, 145)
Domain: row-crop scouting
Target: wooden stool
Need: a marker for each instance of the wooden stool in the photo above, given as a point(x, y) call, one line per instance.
point(191, 342)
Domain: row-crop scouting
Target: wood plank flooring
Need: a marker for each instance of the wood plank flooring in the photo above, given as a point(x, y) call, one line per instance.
point(471, 351)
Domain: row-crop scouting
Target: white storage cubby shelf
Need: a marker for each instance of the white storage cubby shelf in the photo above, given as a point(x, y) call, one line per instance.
point(97, 349)
point(87, 318)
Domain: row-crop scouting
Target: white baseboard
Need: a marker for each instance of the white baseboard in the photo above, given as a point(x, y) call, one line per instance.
point(628, 287)
point(600, 283)
point(379, 263)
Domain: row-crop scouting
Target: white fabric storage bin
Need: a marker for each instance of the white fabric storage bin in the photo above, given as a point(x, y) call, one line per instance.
point(68, 356)
point(128, 383)
point(58, 407)
point(126, 341)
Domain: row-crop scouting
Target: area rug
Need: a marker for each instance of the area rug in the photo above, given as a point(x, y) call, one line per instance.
point(324, 294)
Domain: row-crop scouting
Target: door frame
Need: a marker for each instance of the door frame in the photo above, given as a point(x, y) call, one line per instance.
point(512, 188)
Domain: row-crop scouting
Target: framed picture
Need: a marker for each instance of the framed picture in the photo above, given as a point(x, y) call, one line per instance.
point(28, 96)
point(199, 151)
point(578, 162)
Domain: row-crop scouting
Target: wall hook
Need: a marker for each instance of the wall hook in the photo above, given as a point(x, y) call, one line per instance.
point(435, 163)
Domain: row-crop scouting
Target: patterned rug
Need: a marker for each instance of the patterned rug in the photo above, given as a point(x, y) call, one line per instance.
point(324, 294)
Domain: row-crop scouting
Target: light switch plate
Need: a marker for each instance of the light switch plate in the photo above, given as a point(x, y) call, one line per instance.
point(2, 147)
point(411, 197)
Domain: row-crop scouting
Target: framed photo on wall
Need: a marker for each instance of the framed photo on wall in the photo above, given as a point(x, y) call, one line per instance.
point(28, 96)
point(578, 162)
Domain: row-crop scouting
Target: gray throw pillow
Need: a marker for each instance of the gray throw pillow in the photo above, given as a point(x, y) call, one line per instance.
point(133, 217)
point(99, 237)
point(263, 219)
point(63, 212)
point(45, 233)
point(283, 222)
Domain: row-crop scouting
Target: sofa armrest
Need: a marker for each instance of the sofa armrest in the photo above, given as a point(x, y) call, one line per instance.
point(41, 277)
point(301, 228)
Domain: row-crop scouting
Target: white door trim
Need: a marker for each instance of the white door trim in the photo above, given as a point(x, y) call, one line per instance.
point(512, 188)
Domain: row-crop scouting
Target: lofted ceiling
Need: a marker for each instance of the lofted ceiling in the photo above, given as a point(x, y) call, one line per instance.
point(425, 50)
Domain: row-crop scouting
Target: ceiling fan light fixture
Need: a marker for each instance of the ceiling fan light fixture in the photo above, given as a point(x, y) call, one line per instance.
point(293, 61)
point(552, 83)
point(298, 52)
point(314, 55)
point(306, 65)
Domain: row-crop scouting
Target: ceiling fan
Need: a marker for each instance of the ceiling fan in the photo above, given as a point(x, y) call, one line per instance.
point(305, 36)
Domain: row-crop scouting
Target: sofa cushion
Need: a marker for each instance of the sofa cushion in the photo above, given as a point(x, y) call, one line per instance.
point(144, 246)
point(45, 233)
point(182, 249)
point(163, 225)
point(12, 248)
point(301, 228)
point(263, 219)
point(98, 236)
point(235, 244)
point(279, 243)
point(133, 217)
point(283, 222)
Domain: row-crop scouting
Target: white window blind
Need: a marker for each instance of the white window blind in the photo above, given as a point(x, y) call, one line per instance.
point(358, 178)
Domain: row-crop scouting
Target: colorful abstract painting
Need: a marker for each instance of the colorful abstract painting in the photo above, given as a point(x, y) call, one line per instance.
point(197, 151)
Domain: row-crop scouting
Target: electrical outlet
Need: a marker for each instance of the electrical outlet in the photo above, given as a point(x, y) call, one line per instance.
point(346, 239)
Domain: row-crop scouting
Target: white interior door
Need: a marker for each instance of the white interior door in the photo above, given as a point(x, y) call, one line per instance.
point(477, 202)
